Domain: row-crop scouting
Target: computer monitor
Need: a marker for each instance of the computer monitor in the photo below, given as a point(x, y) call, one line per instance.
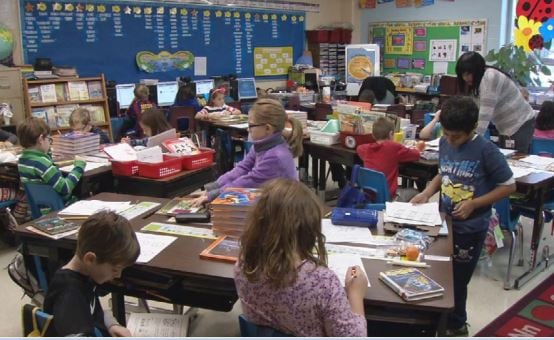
point(246, 88)
point(125, 95)
point(166, 92)
point(203, 87)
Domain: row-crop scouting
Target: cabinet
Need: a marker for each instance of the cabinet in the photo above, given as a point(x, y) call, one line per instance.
point(11, 92)
point(329, 58)
point(54, 99)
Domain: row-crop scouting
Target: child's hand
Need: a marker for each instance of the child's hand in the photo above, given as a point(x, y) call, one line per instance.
point(200, 201)
point(420, 198)
point(118, 330)
point(126, 140)
point(463, 209)
point(355, 282)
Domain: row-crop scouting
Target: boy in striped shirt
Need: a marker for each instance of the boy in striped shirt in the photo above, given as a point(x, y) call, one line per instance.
point(35, 164)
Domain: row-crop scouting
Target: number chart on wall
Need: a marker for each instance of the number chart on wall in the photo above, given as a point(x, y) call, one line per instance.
point(128, 41)
point(426, 47)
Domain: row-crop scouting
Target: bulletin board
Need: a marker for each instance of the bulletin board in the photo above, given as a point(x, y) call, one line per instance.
point(426, 47)
point(131, 40)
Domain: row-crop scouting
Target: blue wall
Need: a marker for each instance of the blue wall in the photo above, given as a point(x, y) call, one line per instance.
point(491, 10)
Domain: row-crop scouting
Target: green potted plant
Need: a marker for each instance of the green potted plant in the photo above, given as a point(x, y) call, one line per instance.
point(524, 67)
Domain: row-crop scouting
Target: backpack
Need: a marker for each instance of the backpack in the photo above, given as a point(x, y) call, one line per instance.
point(352, 196)
point(25, 279)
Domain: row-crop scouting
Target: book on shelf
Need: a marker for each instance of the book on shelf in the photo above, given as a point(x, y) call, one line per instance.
point(77, 90)
point(411, 284)
point(46, 113)
point(48, 93)
point(96, 113)
point(95, 89)
point(34, 94)
point(63, 112)
point(224, 248)
point(65, 71)
point(61, 91)
point(179, 206)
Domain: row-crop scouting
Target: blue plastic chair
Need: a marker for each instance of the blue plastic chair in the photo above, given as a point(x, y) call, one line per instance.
point(509, 220)
point(42, 195)
point(117, 128)
point(249, 329)
point(376, 182)
point(542, 146)
point(35, 321)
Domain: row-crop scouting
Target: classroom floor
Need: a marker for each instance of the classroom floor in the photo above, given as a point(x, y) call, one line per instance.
point(485, 290)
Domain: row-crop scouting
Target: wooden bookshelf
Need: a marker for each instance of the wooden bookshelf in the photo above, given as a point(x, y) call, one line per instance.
point(54, 110)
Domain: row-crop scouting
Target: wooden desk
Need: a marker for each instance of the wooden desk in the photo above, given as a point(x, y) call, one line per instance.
point(178, 275)
point(180, 184)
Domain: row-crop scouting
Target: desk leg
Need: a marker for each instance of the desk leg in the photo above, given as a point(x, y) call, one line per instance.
point(118, 306)
point(322, 179)
point(441, 327)
point(315, 170)
point(538, 224)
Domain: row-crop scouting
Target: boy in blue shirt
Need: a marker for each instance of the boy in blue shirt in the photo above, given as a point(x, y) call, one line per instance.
point(473, 175)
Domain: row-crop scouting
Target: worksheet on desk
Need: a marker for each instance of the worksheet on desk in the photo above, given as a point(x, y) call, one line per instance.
point(339, 263)
point(423, 214)
point(151, 245)
point(88, 167)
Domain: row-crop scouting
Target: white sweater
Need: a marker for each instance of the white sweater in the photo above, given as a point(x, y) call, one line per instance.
point(501, 103)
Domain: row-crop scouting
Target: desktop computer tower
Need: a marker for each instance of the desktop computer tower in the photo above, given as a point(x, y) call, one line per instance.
point(234, 89)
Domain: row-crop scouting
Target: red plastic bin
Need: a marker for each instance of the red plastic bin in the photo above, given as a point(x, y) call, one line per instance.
point(170, 166)
point(201, 160)
point(129, 168)
point(318, 36)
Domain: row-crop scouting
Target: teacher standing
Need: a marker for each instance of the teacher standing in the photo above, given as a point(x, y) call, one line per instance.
point(499, 99)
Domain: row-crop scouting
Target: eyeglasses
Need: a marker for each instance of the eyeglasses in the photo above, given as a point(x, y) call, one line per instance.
point(49, 138)
point(251, 125)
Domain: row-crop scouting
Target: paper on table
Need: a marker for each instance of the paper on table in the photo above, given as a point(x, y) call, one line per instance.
point(334, 233)
point(122, 152)
point(174, 229)
point(519, 171)
point(339, 263)
point(423, 214)
point(89, 207)
point(150, 155)
point(151, 245)
point(158, 325)
point(88, 167)
point(138, 209)
point(443, 231)
point(434, 142)
point(240, 126)
point(538, 160)
point(507, 152)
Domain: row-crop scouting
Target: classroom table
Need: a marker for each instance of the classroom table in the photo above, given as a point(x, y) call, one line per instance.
point(177, 275)
point(535, 186)
point(179, 184)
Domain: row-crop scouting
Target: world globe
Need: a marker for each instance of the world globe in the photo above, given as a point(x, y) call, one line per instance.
point(6, 43)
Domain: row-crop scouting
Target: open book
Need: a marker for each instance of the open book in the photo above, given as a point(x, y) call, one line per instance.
point(158, 325)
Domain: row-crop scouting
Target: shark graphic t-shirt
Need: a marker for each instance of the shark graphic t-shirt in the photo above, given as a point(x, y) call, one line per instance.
point(469, 171)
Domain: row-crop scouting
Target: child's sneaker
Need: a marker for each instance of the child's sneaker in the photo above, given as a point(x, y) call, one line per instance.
point(462, 331)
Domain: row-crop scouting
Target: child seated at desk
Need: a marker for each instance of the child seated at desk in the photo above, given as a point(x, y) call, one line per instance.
point(152, 122)
point(544, 126)
point(385, 155)
point(283, 267)
point(216, 107)
point(271, 156)
point(35, 164)
point(186, 96)
point(473, 174)
point(79, 120)
point(137, 107)
point(106, 244)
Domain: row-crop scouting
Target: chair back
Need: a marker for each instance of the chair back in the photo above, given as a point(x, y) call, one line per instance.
point(35, 321)
point(249, 329)
point(428, 117)
point(374, 181)
point(182, 118)
point(42, 195)
point(542, 146)
point(117, 128)
point(503, 209)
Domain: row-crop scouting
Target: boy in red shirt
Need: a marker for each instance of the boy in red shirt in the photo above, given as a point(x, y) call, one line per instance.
point(384, 155)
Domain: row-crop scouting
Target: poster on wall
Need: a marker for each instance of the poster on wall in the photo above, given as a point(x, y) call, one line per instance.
point(272, 61)
point(399, 40)
point(421, 3)
point(403, 3)
point(367, 3)
point(443, 50)
point(362, 61)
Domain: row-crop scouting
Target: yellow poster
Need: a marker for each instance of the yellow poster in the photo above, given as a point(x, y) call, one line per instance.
point(272, 61)
point(399, 40)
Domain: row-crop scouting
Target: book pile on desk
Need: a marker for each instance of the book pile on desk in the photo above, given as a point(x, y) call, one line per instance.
point(229, 210)
point(301, 116)
point(54, 227)
point(411, 284)
point(72, 144)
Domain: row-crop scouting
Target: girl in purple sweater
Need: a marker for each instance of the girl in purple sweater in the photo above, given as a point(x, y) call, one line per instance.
point(282, 277)
point(271, 156)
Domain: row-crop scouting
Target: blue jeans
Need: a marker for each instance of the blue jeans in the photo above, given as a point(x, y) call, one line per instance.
point(467, 249)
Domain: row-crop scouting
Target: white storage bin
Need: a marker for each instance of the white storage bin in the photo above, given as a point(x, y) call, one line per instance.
point(328, 135)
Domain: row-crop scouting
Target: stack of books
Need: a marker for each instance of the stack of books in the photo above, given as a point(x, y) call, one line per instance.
point(302, 116)
point(411, 284)
point(73, 144)
point(230, 209)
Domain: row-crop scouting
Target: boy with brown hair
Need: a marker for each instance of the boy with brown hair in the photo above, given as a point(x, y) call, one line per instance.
point(105, 246)
point(385, 155)
point(80, 121)
point(35, 164)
